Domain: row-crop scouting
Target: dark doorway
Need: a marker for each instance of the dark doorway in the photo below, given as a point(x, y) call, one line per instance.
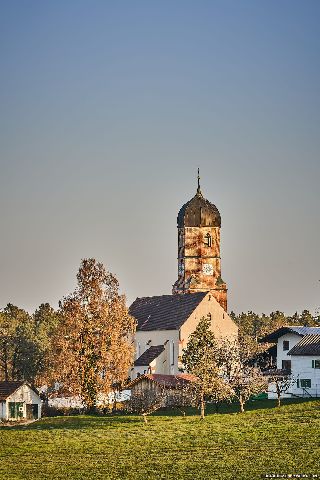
point(32, 412)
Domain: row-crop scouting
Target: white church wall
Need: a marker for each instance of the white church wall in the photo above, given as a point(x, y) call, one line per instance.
point(221, 324)
point(167, 362)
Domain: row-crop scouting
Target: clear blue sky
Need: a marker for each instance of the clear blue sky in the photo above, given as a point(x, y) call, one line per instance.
point(108, 108)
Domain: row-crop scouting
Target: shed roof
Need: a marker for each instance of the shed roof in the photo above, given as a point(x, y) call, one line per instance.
point(8, 388)
point(309, 345)
point(149, 355)
point(276, 373)
point(165, 312)
point(169, 381)
point(299, 330)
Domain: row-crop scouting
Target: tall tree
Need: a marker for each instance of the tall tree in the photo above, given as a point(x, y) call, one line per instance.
point(307, 319)
point(45, 324)
point(7, 339)
point(201, 357)
point(254, 326)
point(92, 348)
point(17, 345)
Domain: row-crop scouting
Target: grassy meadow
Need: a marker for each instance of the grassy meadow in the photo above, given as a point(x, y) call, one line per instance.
point(226, 445)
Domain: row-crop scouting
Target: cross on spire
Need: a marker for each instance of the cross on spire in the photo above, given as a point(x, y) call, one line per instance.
point(198, 189)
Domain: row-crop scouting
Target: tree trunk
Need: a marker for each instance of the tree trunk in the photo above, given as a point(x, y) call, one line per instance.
point(91, 409)
point(241, 404)
point(279, 395)
point(114, 406)
point(13, 366)
point(202, 406)
point(6, 373)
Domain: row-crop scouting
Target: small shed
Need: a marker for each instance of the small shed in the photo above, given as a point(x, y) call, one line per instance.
point(164, 390)
point(18, 400)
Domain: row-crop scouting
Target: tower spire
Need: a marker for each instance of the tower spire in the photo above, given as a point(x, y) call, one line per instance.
point(198, 189)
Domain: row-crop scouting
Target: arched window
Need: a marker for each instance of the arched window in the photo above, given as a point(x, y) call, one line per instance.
point(208, 240)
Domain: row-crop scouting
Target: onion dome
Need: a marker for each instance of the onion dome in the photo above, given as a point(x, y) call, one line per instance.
point(198, 212)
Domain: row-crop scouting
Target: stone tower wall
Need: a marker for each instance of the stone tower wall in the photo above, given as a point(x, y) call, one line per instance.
point(193, 256)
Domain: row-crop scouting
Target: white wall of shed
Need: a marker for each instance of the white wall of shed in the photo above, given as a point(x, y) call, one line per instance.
point(3, 410)
point(26, 395)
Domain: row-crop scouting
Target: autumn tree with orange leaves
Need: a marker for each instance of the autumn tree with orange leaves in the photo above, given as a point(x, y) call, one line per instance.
point(92, 349)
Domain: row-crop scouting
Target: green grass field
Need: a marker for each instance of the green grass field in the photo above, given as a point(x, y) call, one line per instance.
point(224, 446)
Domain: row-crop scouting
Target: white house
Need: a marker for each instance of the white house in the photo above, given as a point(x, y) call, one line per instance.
point(298, 352)
point(19, 401)
point(164, 324)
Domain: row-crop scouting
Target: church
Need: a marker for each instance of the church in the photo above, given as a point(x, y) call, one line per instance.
point(165, 322)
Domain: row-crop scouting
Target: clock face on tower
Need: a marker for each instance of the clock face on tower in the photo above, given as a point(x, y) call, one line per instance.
point(207, 269)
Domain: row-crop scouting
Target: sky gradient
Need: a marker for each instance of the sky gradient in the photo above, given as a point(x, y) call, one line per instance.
point(108, 108)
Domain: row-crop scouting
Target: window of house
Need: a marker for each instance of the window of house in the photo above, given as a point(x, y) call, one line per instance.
point(286, 365)
point(315, 363)
point(304, 383)
point(285, 345)
point(208, 240)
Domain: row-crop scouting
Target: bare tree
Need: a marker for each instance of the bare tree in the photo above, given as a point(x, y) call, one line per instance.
point(242, 378)
point(147, 401)
point(147, 396)
point(282, 381)
point(246, 381)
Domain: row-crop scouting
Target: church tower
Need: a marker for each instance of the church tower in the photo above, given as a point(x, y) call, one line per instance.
point(199, 262)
